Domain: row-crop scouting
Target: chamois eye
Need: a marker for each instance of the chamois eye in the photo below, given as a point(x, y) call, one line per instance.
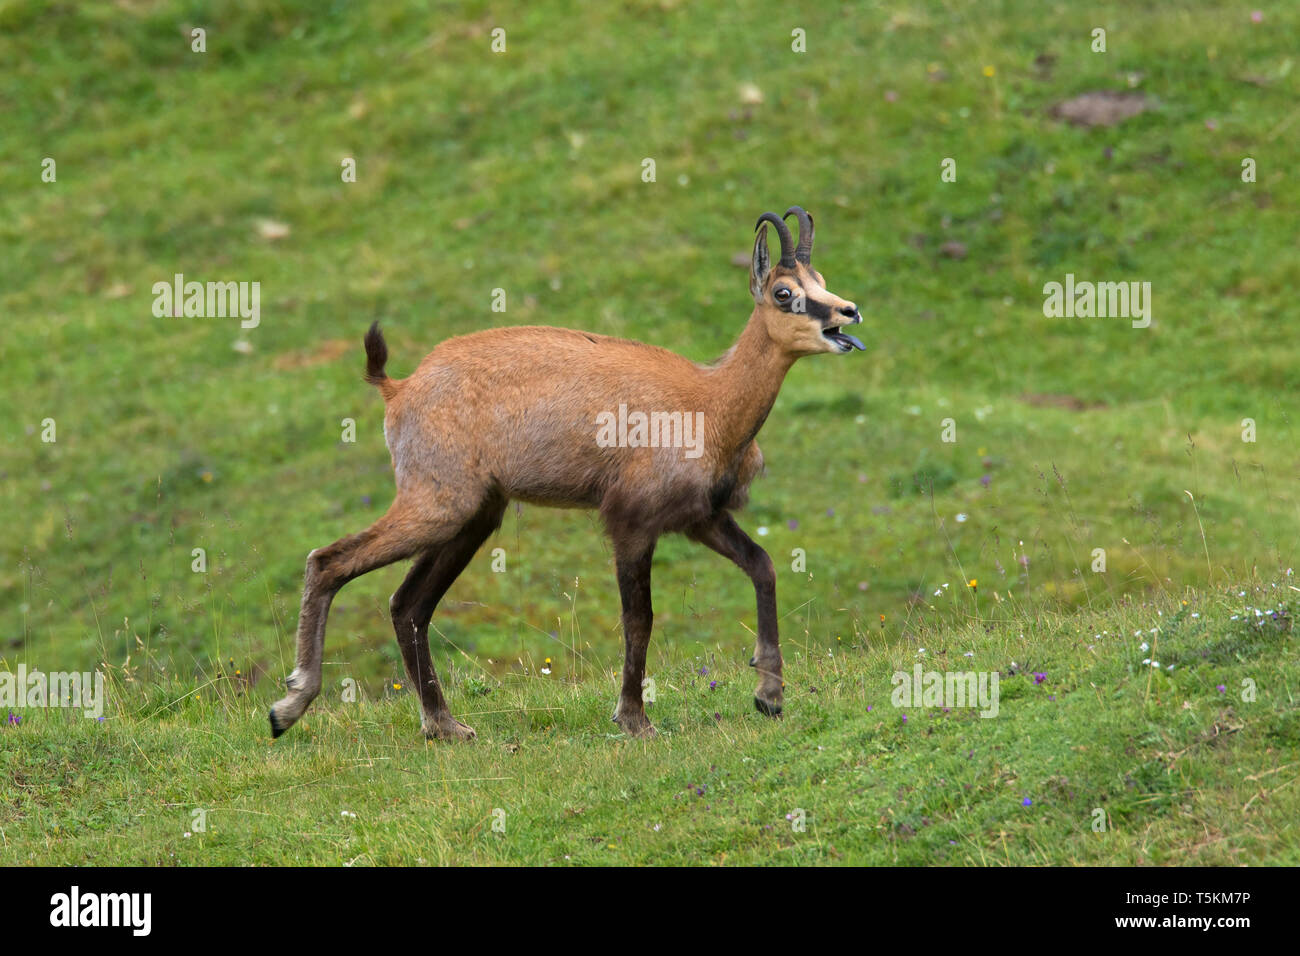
point(782, 295)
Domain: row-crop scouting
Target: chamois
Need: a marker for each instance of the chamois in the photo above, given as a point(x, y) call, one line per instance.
point(512, 413)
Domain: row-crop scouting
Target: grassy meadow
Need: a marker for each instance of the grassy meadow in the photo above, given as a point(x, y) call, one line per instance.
point(1094, 758)
point(523, 171)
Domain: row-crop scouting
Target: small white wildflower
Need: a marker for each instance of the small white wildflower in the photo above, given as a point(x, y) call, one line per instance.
point(961, 517)
point(1145, 646)
point(762, 529)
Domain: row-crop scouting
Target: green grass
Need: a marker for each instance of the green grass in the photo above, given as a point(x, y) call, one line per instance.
point(1177, 770)
point(522, 171)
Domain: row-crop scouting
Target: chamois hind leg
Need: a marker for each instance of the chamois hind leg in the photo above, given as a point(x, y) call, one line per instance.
point(412, 607)
point(632, 556)
point(723, 535)
point(401, 532)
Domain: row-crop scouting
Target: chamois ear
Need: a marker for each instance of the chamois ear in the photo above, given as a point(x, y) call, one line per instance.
point(761, 265)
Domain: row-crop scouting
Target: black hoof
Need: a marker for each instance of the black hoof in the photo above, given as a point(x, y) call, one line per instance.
point(276, 729)
point(753, 662)
point(766, 709)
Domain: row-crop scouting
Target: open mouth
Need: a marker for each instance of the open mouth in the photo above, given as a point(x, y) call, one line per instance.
point(845, 342)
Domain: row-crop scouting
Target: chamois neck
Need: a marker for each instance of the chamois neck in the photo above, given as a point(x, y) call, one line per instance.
point(746, 381)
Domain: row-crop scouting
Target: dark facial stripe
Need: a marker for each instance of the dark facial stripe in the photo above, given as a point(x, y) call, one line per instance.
point(812, 308)
point(817, 310)
point(803, 280)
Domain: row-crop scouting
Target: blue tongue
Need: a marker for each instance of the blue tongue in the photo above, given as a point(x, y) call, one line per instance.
point(854, 342)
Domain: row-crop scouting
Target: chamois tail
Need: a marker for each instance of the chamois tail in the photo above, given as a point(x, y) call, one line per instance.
point(376, 359)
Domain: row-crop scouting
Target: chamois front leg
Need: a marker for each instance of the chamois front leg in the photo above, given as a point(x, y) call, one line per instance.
point(724, 536)
point(632, 559)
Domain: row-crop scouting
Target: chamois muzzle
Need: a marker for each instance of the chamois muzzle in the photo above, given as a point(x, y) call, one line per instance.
point(846, 342)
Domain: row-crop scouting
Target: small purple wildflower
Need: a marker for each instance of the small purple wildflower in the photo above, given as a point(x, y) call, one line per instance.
point(713, 685)
point(1221, 689)
point(792, 524)
point(1026, 802)
point(986, 480)
point(905, 718)
point(15, 719)
point(704, 671)
point(1039, 677)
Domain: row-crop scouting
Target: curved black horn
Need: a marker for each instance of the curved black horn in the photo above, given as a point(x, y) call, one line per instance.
point(804, 251)
point(783, 232)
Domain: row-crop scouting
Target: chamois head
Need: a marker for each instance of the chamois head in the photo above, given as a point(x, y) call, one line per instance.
point(800, 315)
